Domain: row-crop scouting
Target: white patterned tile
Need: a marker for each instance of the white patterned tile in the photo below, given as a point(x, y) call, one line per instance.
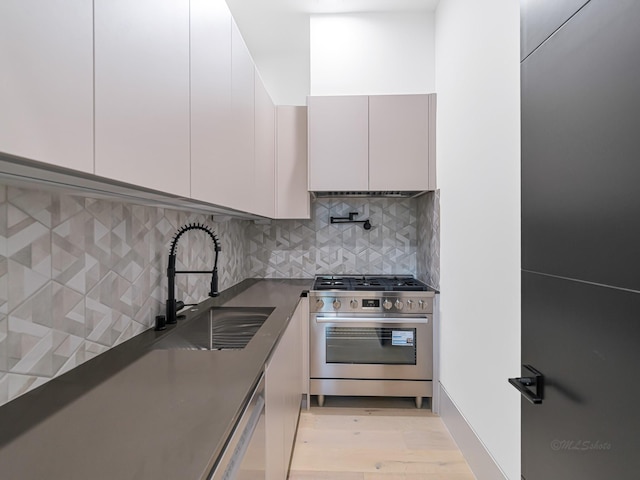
point(68, 251)
point(37, 204)
point(20, 384)
point(24, 327)
point(78, 357)
point(68, 310)
point(4, 388)
point(65, 207)
point(30, 348)
point(29, 243)
point(99, 312)
point(36, 307)
point(93, 349)
point(4, 331)
point(123, 328)
point(145, 315)
point(428, 255)
point(65, 347)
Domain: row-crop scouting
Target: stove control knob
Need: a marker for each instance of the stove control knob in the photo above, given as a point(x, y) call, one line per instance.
point(354, 303)
point(387, 304)
point(319, 304)
point(399, 305)
point(423, 304)
point(410, 304)
point(336, 304)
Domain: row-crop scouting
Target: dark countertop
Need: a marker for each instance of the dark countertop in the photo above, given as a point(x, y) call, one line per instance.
point(138, 413)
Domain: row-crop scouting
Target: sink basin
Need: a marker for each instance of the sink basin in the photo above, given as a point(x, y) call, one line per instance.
point(219, 328)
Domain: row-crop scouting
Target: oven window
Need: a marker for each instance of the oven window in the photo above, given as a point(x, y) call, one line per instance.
point(371, 345)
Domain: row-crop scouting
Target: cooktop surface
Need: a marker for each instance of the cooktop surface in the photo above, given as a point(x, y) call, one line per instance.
point(396, 283)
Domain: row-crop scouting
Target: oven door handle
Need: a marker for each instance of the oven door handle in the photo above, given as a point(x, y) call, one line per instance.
point(421, 320)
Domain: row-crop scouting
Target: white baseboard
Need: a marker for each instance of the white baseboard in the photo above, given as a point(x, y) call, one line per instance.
point(479, 459)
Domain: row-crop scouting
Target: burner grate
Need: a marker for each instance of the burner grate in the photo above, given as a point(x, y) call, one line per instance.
point(395, 283)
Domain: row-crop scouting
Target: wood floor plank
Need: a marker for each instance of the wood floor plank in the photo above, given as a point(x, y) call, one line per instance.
point(326, 476)
point(350, 443)
point(418, 476)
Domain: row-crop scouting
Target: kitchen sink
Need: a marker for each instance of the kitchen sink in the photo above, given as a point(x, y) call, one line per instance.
point(219, 328)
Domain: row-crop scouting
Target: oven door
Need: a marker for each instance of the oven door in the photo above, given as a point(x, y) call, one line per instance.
point(358, 347)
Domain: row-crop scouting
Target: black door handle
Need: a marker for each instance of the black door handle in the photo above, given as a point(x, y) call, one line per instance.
point(536, 381)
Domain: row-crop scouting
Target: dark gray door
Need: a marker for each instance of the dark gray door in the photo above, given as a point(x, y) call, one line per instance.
point(581, 238)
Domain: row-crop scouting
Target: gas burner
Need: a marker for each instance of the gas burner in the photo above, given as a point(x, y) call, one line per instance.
point(367, 284)
point(371, 283)
point(331, 283)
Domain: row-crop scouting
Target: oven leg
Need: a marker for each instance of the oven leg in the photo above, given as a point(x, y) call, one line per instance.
point(418, 402)
point(321, 400)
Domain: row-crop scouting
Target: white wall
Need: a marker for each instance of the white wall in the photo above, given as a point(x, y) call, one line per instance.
point(372, 53)
point(277, 36)
point(285, 75)
point(478, 143)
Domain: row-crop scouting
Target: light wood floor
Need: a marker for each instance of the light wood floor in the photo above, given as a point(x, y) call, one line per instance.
point(359, 438)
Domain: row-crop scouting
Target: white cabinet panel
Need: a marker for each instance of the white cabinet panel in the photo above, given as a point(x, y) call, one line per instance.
point(432, 140)
point(303, 317)
point(338, 143)
point(46, 81)
point(399, 142)
point(376, 143)
point(264, 192)
point(293, 199)
point(142, 93)
point(283, 389)
point(239, 168)
point(210, 100)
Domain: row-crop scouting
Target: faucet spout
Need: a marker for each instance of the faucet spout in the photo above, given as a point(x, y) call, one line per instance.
point(172, 303)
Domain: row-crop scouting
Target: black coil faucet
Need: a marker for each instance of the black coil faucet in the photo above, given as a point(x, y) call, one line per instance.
point(172, 305)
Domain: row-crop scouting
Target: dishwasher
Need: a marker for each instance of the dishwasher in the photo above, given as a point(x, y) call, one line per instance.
point(244, 456)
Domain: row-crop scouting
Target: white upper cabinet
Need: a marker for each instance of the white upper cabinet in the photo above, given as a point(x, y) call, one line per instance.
point(389, 146)
point(338, 143)
point(162, 95)
point(292, 196)
point(399, 142)
point(142, 93)
point(240, 168)
point(264, 192)
point(210, 101)
point(46, 81)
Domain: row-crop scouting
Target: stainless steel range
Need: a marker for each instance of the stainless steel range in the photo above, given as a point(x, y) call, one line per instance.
point(371, 335)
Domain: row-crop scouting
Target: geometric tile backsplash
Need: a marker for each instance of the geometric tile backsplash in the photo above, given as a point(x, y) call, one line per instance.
point(429, 238)
point(81, 275)
point(303, 248)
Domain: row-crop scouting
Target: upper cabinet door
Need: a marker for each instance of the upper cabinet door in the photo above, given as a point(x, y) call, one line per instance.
point(46, 81)
point(234, 177)
point(338, 143)
point(399, 142)
point(210, 100)
point(293, 199)
point(264, 192)
point(142, 93)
